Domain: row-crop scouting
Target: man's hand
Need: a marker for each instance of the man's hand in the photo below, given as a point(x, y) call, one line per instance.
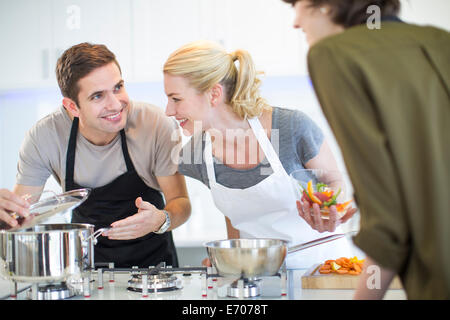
point(12, 203)
point(147, 219)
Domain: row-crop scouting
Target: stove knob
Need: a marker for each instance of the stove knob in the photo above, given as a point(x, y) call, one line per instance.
point(111, 273)
point(134, 270)
point(144, 285)
point(86, 289)
point(204, 282)
point(100, 278)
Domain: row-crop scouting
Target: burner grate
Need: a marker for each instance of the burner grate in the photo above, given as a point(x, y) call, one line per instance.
point(155, 283)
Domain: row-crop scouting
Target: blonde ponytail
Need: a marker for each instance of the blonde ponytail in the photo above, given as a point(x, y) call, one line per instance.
point(205, 64)
point(246, 100)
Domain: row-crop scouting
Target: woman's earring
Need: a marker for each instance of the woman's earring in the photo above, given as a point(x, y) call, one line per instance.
point(324, 10)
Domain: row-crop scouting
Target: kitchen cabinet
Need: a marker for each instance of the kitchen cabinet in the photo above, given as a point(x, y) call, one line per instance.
point(102, 21)
point(35, 34)
point(264, 29)
point(142, 34)
point(158, 28)
point(24, 29)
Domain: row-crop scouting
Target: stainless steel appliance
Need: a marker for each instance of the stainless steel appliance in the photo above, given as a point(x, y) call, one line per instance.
point(250, 259)
point(106, 282)
point(192, 283)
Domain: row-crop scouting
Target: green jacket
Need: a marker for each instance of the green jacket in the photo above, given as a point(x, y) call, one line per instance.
point(386, 96)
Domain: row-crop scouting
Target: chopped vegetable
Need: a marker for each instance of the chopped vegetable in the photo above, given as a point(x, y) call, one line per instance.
point(332, 201)
point(323, 196)
point(335, 266)
point(321, 187)
point(352, 266)
point(342, 206)
point(311, 194)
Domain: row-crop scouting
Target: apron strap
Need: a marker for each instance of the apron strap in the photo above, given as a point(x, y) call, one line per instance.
point(207, 156)
point(126, 155)
point(266, 145)
point(70, 159)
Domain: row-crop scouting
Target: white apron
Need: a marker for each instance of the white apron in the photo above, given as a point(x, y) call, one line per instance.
point(268, 209)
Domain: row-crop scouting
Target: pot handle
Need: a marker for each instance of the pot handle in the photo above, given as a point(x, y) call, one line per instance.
point(95, 235)
point(315, 242)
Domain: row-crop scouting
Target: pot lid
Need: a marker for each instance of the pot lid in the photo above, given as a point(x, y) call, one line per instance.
point(49, 207)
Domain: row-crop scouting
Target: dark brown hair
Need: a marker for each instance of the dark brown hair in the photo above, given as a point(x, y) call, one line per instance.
point(349, 13)
point(77, 62)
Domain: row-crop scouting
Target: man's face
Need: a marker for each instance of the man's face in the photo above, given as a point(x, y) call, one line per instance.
point(103, 103)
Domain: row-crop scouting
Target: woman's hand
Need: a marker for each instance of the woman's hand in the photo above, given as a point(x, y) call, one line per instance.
point(317, 222)
point(147, 219)
point(206, 262)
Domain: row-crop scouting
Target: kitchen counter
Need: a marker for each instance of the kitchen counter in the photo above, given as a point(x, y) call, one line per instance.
point(192, 290)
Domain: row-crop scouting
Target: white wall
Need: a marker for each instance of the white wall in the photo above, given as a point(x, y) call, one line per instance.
point(427, 12)
point(142, 33)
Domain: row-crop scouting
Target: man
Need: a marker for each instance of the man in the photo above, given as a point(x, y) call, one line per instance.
point(120, 149)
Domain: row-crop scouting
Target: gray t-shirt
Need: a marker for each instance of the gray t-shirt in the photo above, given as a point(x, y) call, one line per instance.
point(153, 141)
point(295, 138)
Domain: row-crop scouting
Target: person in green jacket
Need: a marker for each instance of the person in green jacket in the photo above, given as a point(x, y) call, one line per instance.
point(384, 87)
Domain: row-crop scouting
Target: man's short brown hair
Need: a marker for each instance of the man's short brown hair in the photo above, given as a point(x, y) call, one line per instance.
point(348, 13)
point(77, 62)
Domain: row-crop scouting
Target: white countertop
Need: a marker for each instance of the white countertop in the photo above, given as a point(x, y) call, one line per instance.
point(191, 290)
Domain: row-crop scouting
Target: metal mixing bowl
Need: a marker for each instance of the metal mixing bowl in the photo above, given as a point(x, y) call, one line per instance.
point(247, 258)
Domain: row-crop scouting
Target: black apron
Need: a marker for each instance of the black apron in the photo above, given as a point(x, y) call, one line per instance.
point(116, 201)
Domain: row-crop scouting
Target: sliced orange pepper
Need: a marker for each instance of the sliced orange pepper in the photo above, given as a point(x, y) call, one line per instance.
point(342, 206)
point(357, 268)
point(324, 271)
point(329, 193)
point(342, 265)
point(311, 193)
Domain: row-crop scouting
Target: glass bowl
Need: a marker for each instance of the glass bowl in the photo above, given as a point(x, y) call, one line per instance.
point(324, 187)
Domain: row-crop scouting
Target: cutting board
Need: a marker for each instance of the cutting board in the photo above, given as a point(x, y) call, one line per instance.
point(312, 279)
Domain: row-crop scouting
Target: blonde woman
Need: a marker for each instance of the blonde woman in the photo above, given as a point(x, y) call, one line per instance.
point(243, 149)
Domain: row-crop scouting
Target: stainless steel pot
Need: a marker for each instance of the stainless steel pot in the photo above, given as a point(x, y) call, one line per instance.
point(249, 258)
point(47, 252)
